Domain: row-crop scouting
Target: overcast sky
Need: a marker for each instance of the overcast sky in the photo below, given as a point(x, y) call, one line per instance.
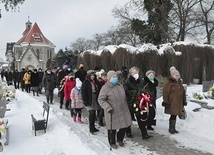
point(62, 22)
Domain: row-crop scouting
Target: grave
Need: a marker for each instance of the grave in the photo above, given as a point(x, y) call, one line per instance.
point(206, 85)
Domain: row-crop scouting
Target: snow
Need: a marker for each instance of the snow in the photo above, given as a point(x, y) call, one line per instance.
point(147, 47)
point(65, 137)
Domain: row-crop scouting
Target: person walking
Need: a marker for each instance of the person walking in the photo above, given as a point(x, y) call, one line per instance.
point(10, 78)
point(35, 82)
point(2, 75)
point(68, 86)
point(112, 99)
point(49, 83)
point(174, 98)
point(150, 84)
point(41, 73)
point(61, 79)
point(77, 101)
point(26, 78)
point(22, 73)
point(90, 92)
point(16, 78)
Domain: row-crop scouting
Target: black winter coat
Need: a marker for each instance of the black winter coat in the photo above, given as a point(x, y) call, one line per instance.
point(49, 81)
point(16, 76)
point(150, 87)
point(87, 91)
point(81, 74)
point(34, 79)
point(132, 88)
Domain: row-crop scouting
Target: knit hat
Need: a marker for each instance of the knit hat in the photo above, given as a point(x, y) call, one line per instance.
point(78, 83)
point(110, 74)
point(173, 71)
point(149, 72)
point(90, 72)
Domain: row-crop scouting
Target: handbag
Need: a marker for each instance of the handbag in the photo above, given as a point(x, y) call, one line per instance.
point(183, 115)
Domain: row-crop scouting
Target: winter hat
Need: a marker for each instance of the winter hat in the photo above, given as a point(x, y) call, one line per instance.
point(173, 71)
point(78, 83)
point(103, 74)
point(110, 74)
point(89, 72)
point(149, 72)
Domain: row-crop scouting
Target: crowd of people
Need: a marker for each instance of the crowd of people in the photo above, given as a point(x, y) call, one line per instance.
point(114, 98)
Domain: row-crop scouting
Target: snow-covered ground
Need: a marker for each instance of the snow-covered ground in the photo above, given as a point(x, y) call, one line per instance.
point(64, 137)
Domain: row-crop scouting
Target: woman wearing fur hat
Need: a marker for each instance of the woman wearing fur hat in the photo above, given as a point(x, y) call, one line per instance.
point(150, 83)
point(77, 102)
point(90, 92)
point(112, 99)
point(174, 98)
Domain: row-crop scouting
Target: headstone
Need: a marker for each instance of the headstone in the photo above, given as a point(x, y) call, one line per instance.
point(207, 85)
point(196, 81)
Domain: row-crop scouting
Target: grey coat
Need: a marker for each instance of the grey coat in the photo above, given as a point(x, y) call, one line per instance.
point(113, 97)
point(49, 81)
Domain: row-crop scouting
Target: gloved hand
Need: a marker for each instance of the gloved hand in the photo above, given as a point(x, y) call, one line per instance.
point(110, 111)
point(165, 104)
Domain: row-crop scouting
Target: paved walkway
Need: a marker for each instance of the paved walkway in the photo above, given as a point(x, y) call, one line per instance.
point(161, 144)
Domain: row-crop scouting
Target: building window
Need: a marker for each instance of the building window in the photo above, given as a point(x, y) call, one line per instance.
point(36, 37)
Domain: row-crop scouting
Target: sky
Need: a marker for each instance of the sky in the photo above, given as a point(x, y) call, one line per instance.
point(62, 22)
point(65, 137)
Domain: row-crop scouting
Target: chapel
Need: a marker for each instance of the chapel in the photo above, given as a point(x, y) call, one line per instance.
point(33, 50)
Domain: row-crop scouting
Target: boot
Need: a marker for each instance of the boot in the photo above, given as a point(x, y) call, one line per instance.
point(92, 128)
point(79, 120)
point(33, 93)
point(74, 118)
point(144, 133)
point(172, 126)
point(175, 131)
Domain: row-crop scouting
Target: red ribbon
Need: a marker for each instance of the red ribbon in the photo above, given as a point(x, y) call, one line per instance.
point(144, 101)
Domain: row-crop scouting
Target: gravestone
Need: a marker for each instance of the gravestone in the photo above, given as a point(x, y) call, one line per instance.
point(207, 85)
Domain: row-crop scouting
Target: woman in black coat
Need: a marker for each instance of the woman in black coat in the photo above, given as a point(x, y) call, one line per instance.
point(35, 82)
point(150, 84)
point(90, 92)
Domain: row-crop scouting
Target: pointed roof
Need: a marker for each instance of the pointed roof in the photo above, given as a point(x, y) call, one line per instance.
point(34, 36)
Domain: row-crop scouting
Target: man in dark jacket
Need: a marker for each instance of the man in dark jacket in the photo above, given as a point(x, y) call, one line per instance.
point(41, 73)
point(35, 82)
point(16, 79)
point(49, 83)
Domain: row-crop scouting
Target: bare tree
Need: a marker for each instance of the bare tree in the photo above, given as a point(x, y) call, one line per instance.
point(206, 18)
point(183, 18)
point(80, 45)
point(97, 41)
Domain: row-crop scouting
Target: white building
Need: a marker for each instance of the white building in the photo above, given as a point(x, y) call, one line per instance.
point(33, 50)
